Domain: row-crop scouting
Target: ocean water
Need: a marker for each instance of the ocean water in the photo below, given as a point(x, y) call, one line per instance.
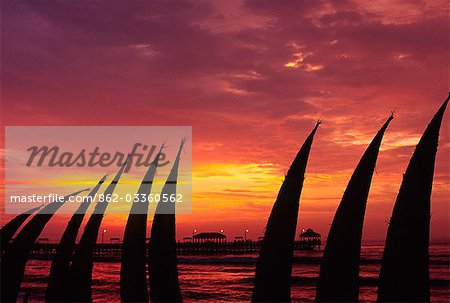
point(229, 278)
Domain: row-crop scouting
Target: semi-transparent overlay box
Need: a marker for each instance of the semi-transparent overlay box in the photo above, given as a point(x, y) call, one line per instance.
point(101, 169)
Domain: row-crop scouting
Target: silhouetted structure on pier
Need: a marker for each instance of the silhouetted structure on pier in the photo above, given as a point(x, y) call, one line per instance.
point(310, 240)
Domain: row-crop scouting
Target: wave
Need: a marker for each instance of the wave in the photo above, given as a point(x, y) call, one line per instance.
point(364, 281)
point(314, 260)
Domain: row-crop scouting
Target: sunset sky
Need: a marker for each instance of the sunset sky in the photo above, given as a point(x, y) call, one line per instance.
point(251, 78)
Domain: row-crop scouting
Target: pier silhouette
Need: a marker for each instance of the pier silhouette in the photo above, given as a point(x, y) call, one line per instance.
point(43, 249)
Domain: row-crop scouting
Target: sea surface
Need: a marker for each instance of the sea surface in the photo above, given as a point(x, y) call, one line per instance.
point(229, 278)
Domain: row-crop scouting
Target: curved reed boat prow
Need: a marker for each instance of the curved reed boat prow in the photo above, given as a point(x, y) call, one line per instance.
point(274, 267)
point(339, 271)
point(80, 275)
point(133, 270)
point(7, 232)
point(404, 274)
point(162, 256)
point(59, 270)
point(16, 255)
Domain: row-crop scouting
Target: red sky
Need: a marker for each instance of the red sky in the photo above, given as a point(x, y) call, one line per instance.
point(251, 77)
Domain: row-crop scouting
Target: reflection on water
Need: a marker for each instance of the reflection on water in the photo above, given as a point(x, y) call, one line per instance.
point(229, 278)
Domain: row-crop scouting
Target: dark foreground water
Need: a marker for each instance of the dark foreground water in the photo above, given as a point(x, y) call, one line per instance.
point(229, 278)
